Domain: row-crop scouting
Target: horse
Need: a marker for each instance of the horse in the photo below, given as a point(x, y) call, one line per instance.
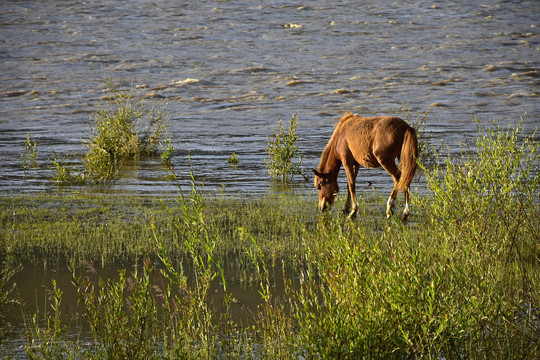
point(370, 142)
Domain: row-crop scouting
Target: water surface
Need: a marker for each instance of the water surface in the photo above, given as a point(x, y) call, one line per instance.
point(229, 69)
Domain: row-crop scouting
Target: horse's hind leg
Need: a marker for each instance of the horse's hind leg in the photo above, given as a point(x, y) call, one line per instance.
point(390, 204)
point(406, 211)
point(391, 167)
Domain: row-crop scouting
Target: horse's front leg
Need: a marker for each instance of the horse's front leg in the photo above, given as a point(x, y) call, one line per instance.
point(352, 195)
point(351, 171)
point(347, 207)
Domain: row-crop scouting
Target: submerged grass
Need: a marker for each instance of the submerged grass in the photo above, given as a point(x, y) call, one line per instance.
point(111, 228)
point(461, 281)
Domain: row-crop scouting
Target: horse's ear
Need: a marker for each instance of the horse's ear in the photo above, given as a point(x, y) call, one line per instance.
point(320, 174)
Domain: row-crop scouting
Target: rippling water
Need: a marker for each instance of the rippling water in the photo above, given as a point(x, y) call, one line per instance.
point(229, 69)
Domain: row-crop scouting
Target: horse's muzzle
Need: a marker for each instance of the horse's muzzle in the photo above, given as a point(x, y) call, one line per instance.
point(323, 205)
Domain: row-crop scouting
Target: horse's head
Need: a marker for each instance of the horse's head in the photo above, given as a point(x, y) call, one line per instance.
point(327, 186)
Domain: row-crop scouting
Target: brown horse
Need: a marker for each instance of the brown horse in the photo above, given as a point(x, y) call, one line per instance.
point(370, 142)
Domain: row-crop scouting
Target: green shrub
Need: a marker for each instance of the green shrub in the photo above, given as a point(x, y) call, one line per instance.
point(485, 204)
point(122, 314)
point(490, 193)
point(124, 129)
point(282, 151)
point(233, 159)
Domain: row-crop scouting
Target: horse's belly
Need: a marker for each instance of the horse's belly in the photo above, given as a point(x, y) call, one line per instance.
point(369, 161)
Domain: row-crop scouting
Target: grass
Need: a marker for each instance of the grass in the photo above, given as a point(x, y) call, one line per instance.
point(117, 228)
point(460, 281)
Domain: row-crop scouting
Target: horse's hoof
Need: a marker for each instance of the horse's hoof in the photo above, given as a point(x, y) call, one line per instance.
point(404, 217)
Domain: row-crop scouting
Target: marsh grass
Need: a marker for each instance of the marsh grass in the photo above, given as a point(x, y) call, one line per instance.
point(118, 228)
point(123, 128)
point(284, 159)
point(29, 158)
point(460, 281)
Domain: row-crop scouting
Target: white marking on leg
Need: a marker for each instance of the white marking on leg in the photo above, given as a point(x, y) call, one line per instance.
point(406, 211)
point(389, 206)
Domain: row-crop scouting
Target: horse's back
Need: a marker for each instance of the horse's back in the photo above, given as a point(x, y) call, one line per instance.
point(365, 136)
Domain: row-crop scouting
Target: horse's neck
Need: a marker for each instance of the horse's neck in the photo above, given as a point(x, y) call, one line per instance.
point(330, 164)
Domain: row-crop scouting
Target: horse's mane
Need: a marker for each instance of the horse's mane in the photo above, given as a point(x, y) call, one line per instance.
point(330, 145)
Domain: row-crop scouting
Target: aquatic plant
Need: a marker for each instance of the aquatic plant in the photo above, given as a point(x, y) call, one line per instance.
point(50, 340)
point(167, 154)
point(29, 158)
point(122, 314)
point(64, 174)
point(282, 151)
point(124, 129)
point(233, 159)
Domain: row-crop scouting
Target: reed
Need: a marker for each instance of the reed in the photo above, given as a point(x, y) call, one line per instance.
point(282, 152)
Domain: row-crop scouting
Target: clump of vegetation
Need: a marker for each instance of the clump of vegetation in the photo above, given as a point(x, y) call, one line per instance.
point(282, 152)
point(167, 154)
point(233, 159)
point(125, 128)
point(31, 152)
point(64, 173)
point(122, 314)
point(49, 341)
point(29, 158)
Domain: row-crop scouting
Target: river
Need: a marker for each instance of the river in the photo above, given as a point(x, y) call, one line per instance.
point(229, 69)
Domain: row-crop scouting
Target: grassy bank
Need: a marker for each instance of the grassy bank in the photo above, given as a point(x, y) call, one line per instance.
point(118, 228)
point(461, 280)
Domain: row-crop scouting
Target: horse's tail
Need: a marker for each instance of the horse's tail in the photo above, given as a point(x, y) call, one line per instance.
point(409, 154)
